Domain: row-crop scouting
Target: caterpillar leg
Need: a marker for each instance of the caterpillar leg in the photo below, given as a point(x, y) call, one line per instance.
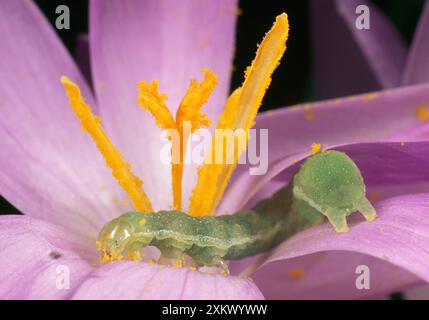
point(337, 218)
point(221, 264)
point(133, 251)
point(366, 209)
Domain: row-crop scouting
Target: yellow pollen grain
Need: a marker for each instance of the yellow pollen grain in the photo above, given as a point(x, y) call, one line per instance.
point(239, 113)
point(308, 112)
point(192, 268)
point(177, 263)
point(121, 170)
point(125, 202)
point(422, 113)
point(296, 273)
point(142, 222)
point(108, 257)
point(105, 258)
point(134, 255)
point(315, 148)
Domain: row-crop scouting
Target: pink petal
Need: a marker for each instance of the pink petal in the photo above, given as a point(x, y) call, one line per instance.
point(375, 58)
point(389, 115)
point(131, 280)
point(35, 256)
point(331, 275)
point(49, 168)
point(398, 236)
point(417, 67)
point(377, 116)
point(166, 40)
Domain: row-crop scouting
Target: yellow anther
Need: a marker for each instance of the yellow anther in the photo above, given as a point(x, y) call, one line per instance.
point(142, 222)
point(240, 113)
point(153, 101)
point(195, 97)
point(120, 169)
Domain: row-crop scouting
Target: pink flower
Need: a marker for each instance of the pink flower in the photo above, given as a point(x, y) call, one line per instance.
point(53, 173)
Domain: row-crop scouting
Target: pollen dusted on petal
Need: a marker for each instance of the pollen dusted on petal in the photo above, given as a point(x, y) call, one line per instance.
point(296, 273)
point(308, 112)
point(315, 148)
point(121, 170)
point(422, 113)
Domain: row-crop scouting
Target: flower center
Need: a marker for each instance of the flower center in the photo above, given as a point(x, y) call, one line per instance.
point(239, 114)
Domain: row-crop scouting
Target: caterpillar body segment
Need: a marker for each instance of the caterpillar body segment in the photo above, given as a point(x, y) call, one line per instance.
point(328, 184)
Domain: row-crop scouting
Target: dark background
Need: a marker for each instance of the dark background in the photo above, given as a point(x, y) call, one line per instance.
point(292, 83)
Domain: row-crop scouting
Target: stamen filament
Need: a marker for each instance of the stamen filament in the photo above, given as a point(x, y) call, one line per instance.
point(121, 170)
point(240, 113)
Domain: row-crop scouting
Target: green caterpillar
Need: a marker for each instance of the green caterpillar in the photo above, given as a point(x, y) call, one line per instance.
point(328, 184)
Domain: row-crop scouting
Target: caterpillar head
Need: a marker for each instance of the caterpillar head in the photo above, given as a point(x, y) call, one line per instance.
point(114, 239)
point(332, 184)
point(332, 178)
